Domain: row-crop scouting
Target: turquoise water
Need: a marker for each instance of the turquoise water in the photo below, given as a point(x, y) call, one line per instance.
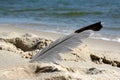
point(64, 16)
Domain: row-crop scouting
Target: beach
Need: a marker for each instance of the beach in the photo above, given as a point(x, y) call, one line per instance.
point(29, 30)
point(93, 59)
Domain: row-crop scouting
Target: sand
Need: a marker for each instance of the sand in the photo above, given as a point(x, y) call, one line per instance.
point(93, 59)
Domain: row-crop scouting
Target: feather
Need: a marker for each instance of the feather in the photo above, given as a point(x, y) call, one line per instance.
point(61, 46)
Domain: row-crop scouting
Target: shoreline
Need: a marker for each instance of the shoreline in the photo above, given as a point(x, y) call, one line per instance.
point(13, 28)
point(45, 29)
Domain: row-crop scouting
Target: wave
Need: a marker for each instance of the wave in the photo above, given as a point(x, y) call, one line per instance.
point(107, 37)
point(64, 12)
point(112, 28)
point(78, 13)
point(28, 9)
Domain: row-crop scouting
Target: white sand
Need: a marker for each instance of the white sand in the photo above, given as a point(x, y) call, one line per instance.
point(91, 60)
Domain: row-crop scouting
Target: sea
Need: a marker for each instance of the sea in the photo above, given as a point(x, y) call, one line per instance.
point(63, 16)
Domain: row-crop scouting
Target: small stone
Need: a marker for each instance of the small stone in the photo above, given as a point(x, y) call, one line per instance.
point(94, 71)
